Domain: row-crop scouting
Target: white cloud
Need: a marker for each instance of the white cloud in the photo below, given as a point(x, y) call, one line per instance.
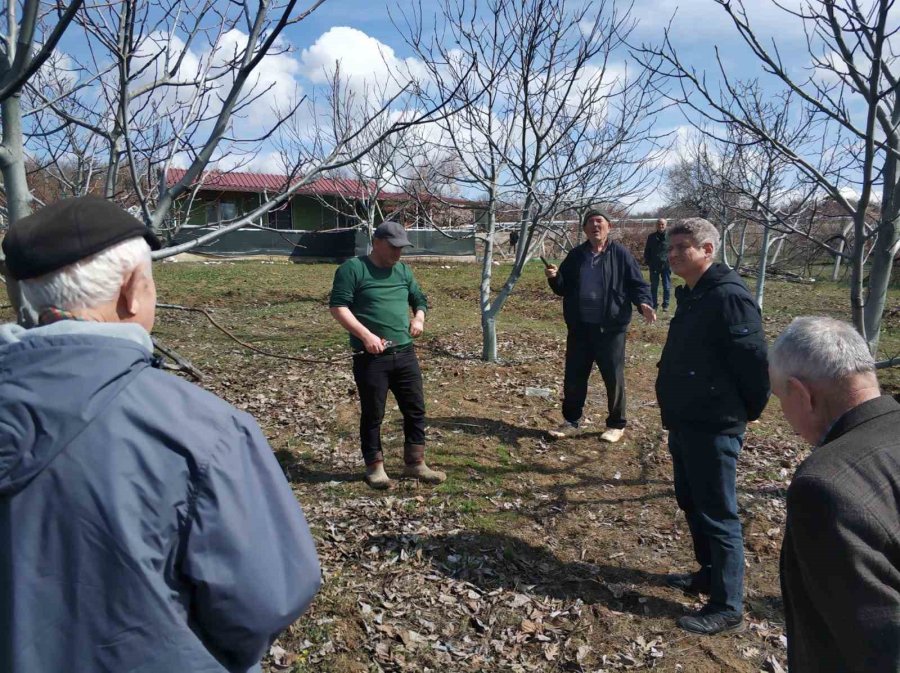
point(364, 61)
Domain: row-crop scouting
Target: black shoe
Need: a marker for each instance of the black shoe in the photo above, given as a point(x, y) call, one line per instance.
point(689, 583)
point(708, 622)
point(665, 307)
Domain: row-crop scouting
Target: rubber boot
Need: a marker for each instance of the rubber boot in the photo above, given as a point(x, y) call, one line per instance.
point(376, 477)
point(415, 467)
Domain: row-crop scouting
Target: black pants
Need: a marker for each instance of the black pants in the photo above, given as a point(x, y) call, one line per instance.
point(587, 345)
point(398, 372)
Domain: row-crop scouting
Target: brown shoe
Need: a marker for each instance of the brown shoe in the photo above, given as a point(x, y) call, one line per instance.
point(376, 477)
point(415, 467)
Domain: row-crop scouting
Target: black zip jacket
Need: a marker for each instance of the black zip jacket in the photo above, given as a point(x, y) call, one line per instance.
point(621, 277)
point(713, 374)
point(656, 252)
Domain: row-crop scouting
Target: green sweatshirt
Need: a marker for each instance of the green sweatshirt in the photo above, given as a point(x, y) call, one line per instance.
point(379, 298)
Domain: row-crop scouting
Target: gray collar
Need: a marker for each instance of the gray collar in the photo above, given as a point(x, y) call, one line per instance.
point(11, 333)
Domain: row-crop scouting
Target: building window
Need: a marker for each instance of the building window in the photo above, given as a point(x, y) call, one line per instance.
point(227, 211)
point(221, 212)
point(280, 218)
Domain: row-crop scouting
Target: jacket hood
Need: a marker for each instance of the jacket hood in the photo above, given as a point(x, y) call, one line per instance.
point(54, 380)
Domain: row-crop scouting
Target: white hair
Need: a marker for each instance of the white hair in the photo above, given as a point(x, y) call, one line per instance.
point(89, 282)
point(816, 348)
point(700, 231)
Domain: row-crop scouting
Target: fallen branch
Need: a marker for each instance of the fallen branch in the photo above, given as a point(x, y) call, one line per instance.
point(181, 364)
point(255, 349)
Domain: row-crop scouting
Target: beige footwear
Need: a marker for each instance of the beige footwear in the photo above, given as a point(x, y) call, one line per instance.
point(612, 435)
point(567, 429)
point(376, 477)
point(415, 467)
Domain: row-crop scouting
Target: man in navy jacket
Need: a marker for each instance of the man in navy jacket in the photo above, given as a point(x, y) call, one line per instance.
point(599, 282)
point(713, 378)
point(144, 523)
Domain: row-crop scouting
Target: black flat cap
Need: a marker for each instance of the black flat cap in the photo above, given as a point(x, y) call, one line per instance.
point(66, 232)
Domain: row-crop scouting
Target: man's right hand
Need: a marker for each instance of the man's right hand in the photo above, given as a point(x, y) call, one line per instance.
point(551, 271)
point(373, 344)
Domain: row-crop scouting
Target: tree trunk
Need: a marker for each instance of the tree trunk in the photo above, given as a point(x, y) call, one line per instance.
point(739, 259)
point(18, 196)
point(488, 337)
point(835, 273)
point(488, 315)
point(885, 248)
point(762, 267)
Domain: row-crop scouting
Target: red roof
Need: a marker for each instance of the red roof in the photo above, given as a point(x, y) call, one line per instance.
point(269, 182)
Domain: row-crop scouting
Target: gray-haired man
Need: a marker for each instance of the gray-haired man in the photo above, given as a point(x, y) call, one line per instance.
point(840, 560)
point(144, 522)
point(712, 380)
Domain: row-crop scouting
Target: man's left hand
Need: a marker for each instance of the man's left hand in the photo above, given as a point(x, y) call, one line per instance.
point(648, 313)
point(416, 327)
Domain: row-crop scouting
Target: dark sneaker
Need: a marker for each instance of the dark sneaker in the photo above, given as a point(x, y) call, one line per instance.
point(689, 583)
point(708, 622)
point(566, 429)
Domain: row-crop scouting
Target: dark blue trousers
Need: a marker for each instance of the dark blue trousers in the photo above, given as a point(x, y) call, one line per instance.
point(658, 274)
point(705, 468)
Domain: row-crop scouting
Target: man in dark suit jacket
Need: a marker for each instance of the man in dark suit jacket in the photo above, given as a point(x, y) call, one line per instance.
point(840, 560)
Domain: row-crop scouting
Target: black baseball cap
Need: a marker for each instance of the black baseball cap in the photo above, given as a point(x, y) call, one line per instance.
point(394, 233)
point(68, 231)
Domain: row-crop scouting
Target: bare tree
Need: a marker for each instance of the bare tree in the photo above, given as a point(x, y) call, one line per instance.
point(384, 148)
point(551, 120)
point(853, 92)
point(19, 61)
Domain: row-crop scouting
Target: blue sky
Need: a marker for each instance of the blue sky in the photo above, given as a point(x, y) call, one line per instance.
point(697, 28)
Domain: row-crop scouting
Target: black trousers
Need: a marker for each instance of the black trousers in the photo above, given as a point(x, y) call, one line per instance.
point(399, 372)
point(587, 345)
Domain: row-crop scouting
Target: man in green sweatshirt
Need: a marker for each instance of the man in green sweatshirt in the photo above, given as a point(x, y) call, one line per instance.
point(371, 298)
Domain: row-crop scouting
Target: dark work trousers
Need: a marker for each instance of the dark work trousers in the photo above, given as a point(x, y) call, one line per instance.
point(587, 345)
point(658, 274)
point(399, 372)
point(705, 465)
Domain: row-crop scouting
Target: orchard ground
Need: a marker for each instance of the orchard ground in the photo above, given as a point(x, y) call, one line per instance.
point(534, 555)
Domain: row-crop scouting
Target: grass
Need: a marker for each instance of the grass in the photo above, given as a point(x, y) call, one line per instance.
point(582, 528)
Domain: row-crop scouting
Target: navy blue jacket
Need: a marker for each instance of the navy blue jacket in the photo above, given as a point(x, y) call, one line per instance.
point(713, 374)
point(623, 283)
point(145, 525)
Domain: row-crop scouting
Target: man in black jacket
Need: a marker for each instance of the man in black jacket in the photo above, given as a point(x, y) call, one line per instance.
point(840, 560)
point(656, 257)
point(598, 281)
point(712, 379)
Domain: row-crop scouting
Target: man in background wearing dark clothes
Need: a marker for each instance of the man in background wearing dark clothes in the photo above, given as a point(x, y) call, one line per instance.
point(599, 282)
point(712, 379)
point(840, 560)
point(656, 257)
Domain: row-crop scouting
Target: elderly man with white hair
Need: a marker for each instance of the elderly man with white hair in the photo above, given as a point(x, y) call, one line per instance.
point(144, 523)
point(840, 560)
point(712, 380)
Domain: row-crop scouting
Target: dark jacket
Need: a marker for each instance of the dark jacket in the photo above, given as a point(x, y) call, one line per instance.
point(145, 525)
point(656, 251)
point(713, 374)
point(840, 560)
point(624, 284)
